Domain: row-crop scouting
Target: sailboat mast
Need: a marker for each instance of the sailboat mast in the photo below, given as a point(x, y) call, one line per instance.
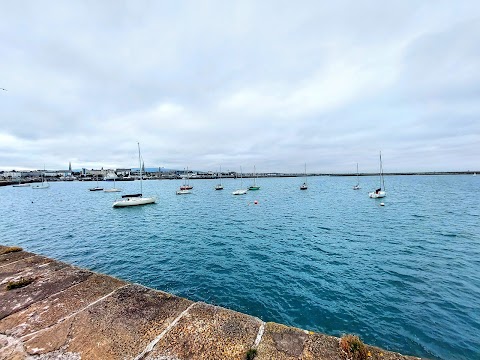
point(220, 174)
point(382, 180)
point(305, 173)
point(254, 176)
point(241, 178)
point(357, 175)
point(140, 165)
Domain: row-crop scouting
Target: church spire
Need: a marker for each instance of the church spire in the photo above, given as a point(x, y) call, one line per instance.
point(70, 166)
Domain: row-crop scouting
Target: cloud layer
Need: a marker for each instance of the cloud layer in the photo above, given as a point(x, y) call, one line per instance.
point(271, 83)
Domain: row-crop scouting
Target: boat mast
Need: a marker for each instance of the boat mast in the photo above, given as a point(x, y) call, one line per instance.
point(254, 176)
point(358, 183)
point(382, 180)
point(220, 174)
point(305, 173)
point(140, 165)
point(241, 178)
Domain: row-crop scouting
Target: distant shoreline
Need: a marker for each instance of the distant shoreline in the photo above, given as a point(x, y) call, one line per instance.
point(270, 175)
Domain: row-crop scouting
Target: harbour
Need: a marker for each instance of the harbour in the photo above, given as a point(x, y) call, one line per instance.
point(404, 277)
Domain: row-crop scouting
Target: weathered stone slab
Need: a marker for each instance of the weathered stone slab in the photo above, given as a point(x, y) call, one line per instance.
point(208, 332)
point(48, 312)
point(13, 256)
point(24, 267)
point(49, 277)
point(281, 342)
point(117, 327)
point(11, 349)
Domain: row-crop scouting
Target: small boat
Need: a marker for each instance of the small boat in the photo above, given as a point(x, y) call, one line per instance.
point(380, 192)
point(254, 186)
point(186, 185)
point(219, 186)
point(43, 185)
point(357, 186)
point(114, 189)
point(96, 188)
point(304, 186)
point(135, 199)
point(185, 188)
point(183, 192)
point(240, 191)
point(20, 184)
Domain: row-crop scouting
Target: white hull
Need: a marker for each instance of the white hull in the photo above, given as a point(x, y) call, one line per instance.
point(42, 186)
point(356, 187)
point(134, 201)
point(183, 192)
point(21, 185)
point(112, 190)
point(375, 195)
point(240, 192)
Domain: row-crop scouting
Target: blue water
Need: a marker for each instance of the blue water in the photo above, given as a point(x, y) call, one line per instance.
point(405, 277)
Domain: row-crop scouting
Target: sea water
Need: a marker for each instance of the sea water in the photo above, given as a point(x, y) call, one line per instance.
point(404, 276)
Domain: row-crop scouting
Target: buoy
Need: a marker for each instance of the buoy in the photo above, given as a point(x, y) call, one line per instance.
point(382, 204)
point(255, 202)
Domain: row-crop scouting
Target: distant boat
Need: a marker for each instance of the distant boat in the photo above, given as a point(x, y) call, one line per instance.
point(254, 186)
point(96, 188)
point(186, 185)
point(357, 186)
point(304, 186)
point(114, 189)
point(20, 184)
point(185, 188)
point(183, 192)
point(44, 184)
point(240, 191)
point(219, 186)
point(135, 199)
point(380, 192)
point(474, 174)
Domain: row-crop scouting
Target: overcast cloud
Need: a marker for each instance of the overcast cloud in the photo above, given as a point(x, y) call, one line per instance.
point(270, 83)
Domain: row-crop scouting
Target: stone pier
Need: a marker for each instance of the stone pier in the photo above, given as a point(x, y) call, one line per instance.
point(66, 312)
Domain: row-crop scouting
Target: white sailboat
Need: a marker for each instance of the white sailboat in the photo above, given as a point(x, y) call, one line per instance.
point(185, 188)
point(304, 186)
point(114, 189)
point(135, 199)
point(219, 186)
point(254, 186)
point(357, 186)
point(20, 183)
point(44, 184)
point(380, 192)
point(240, 191)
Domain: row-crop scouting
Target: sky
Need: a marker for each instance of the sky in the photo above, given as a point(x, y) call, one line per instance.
point(275, 84)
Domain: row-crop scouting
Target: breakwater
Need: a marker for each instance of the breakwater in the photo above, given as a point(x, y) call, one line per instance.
point(62, 311)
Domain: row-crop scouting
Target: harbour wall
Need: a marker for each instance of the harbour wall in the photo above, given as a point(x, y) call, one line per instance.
point(65, 312)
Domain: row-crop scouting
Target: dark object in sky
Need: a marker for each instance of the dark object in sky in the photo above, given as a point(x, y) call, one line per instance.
point(3, 89)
